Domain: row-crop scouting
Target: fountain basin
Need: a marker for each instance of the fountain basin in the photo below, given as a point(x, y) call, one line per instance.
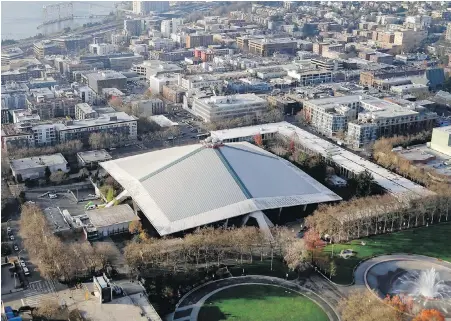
point(415, 280)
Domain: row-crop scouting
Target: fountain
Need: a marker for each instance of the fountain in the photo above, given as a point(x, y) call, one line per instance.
point(425, 285)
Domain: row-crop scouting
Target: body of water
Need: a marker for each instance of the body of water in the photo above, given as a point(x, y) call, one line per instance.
point(20, 19)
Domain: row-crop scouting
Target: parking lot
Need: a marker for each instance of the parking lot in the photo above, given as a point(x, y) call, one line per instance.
point(64, 200)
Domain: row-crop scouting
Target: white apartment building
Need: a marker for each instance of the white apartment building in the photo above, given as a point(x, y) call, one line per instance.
point(44, 134)
point(162, 44)
point(331, 115)
point(311, 77)
point(379, 118)
point(410, 89)
point(118, 123)
point(102, 48)
point(199, 81)
point(365, 118)
point(86, 94)
point(170, 26)
point(219, 108)
point(157, 82)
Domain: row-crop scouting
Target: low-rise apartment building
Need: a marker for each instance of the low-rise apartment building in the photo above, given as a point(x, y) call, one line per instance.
point(53, 107)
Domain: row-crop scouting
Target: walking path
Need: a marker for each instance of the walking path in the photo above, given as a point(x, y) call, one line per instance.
point(189, 306)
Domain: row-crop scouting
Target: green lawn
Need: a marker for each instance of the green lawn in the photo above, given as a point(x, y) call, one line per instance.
point(431, 241)
point(260, 302)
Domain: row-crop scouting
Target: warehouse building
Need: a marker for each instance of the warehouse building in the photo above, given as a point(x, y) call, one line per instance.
point(111, 220)
point(34, 167)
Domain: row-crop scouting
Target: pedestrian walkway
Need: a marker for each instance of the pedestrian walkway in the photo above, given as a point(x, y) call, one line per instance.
point(38, 292)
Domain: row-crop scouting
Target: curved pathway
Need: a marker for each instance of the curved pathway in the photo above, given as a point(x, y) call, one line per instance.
point(188, 307)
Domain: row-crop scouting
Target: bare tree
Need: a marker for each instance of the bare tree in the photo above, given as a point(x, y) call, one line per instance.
point(366, 306)
point(57, 177)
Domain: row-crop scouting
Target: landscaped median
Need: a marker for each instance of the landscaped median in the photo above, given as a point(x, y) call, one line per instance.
point(431, 241)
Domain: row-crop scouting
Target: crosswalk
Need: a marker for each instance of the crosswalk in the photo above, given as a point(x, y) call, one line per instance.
point(38, 292)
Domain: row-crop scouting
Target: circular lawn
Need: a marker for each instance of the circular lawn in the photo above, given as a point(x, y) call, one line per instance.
point(251, 302)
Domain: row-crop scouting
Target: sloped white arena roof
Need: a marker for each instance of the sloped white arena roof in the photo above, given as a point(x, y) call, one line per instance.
point(189, 186)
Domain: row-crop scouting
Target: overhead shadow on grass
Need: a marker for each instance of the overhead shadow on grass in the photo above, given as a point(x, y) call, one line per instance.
point(211, 313)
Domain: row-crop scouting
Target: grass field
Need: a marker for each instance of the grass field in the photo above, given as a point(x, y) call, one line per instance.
point(431, 241)
point(260, 302)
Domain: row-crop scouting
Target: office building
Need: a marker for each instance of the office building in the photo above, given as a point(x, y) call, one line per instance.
point(268, 46)
point(105, 79)
point(133, 27)
point(170, 26)
point(46, 48)
point(145, 7)
point(125, 63)
point(199, 40)
point(11, 54)
point(72, 43)
point(219, 108)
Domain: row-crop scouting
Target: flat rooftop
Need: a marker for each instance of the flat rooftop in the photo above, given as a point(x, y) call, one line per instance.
point(163, 121)
point(94, 156)
point(393, 183)
point(112, 215)
point(56, 220)
point(273, 40)
point(37, 162)
point(103, 119)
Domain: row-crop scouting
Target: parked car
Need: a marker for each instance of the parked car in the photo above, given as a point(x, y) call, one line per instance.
point(91, 207)
point(11, 237)
point(16, 248)
point(52, 195)
point(8, 229)
point(22, 263)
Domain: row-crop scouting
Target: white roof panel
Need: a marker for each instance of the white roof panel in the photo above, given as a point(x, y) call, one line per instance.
point(190, 186)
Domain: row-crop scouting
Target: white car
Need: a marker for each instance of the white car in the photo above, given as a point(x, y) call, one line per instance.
point(22, 263)
point(11, 237)
point(91, 207)
point(52, 195)
point(8, 229)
